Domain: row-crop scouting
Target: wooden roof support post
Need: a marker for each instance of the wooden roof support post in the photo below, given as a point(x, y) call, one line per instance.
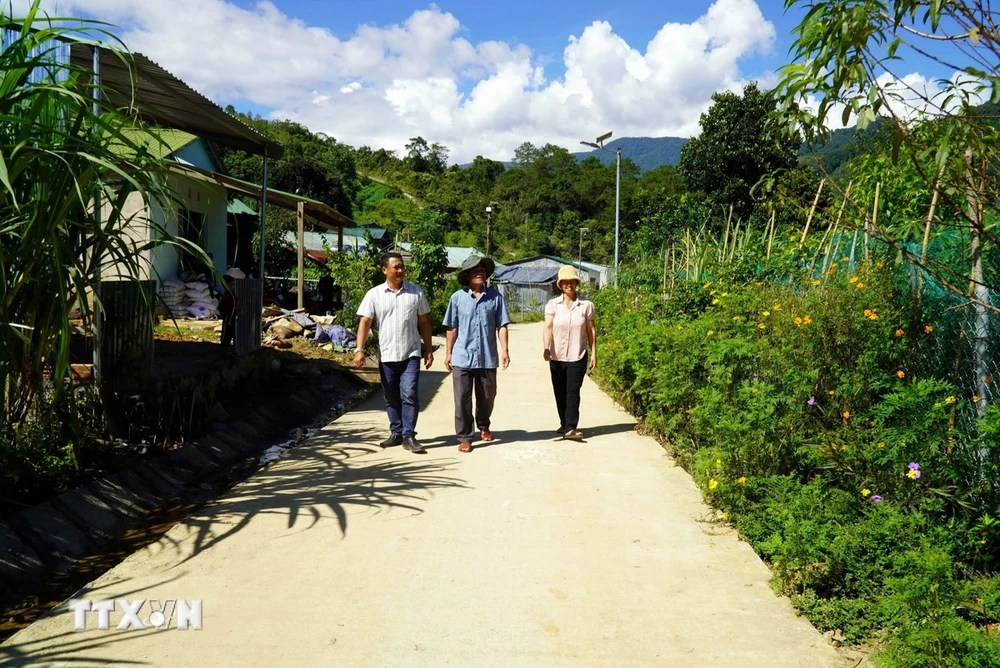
point(340, 239)
point(301, 216)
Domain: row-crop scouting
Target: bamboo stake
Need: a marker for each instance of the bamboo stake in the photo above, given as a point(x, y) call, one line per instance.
point(664, 270)
point(687, 255)
point(812, 210)
point(770, 235)
point(874, 221)
point(725, 238)
point(673, 265)
point(836, 226)
point(832, 232)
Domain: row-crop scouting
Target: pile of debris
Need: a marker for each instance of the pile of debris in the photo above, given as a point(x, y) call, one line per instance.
point(283, 324)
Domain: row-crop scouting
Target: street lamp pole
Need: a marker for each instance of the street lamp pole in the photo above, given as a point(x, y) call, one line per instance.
point(579, 261)
point(599, 144)
point(489, 220)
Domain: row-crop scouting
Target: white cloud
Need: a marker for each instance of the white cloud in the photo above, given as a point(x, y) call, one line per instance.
point(385, 84)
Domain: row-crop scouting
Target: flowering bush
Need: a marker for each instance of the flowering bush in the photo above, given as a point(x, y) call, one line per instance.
point(817, 416)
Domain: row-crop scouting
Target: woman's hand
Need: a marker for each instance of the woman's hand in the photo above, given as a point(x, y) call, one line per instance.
point(547, 355)
point(593, 362)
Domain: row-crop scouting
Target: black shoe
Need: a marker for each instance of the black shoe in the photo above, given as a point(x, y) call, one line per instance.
point(394, 439)
point(410, 443)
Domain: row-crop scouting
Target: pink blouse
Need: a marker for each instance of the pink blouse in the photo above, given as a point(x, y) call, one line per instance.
point(569, 328)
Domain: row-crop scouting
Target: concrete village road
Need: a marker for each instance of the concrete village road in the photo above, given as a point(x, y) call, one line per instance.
point(532, 551)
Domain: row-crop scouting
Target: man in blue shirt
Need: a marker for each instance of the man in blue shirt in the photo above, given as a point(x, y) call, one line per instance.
point(476, 319)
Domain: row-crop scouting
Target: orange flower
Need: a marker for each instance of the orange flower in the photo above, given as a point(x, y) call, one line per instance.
point(928, 329)
point(847, 415)
point(901, 374)
point(742, 480)
point(975, 398)
point(900, 332)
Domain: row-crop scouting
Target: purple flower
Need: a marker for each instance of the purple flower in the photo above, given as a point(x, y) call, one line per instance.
point(876, 499)
point(916, 474)
point(913, 466)
point(812, 400)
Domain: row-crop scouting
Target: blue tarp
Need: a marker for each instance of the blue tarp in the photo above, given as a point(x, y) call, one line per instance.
point(526, 275)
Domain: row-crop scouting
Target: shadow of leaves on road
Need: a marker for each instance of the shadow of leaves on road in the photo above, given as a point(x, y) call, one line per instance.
point(319, 480)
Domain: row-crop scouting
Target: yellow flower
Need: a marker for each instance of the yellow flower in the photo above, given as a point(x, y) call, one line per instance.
point(714, 302)
point(901, 374)
point(718, 463)
point(725, 294)
point(847, 415)
point(761, 325)
point(975, 398)
point(766, 313)
point(776, 307)
point(736, 317)
point(712, 484)
point(710, 332)
point(866, 492)
point(815, 282)
point(679, 327)
point(831, 392)
point(859, 285)
point(881, 444)
point(928, 329)
point(807, 320)
point(754, 390)
point(852, 279)
point(845, 259)
point(711, 293)
point(950, 400)
point(798, 321)
point(900, 332)
point(742, 480)
point(705, 287)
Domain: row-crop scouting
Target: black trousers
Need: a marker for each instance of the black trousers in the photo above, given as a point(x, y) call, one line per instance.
point(228, 330)
point(464, 382)
point(567, 379)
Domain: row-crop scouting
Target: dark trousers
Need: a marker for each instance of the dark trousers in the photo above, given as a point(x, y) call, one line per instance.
point(228, 329)
point(567, 379)
point(464, 382)
point(399, 384)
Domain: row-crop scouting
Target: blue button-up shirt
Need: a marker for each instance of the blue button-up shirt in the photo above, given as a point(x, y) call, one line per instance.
point(478, 320)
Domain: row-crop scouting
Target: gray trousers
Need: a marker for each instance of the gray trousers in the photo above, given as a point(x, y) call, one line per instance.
point(484, 383)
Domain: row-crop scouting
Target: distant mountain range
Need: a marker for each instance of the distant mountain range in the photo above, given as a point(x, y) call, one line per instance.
point(646, 152)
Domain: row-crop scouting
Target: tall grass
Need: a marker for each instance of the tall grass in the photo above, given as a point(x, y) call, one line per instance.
point(58, 156)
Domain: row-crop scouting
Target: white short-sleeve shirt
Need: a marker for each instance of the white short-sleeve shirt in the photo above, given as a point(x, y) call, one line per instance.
point(395, 314)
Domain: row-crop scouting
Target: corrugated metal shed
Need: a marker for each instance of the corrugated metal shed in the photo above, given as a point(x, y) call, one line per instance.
point(134, 83)
point(526, 275)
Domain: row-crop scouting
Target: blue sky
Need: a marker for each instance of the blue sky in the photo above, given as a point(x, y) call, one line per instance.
point(478, 77)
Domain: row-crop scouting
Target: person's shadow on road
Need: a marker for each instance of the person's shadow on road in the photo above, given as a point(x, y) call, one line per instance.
point(511, 436)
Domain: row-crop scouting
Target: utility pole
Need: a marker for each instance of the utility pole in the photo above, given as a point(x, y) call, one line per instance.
point(489, 221)
point(579, 261)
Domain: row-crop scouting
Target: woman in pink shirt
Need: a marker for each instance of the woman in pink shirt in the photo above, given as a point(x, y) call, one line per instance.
point(569, 333)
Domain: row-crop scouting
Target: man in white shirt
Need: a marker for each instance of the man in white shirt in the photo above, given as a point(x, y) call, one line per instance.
point(401, 311)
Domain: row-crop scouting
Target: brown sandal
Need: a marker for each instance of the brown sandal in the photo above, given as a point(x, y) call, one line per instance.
point(465, 447)
point(573, 435)
point(486, 435)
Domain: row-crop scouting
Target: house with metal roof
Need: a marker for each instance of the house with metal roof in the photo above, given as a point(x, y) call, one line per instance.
point(598, 275)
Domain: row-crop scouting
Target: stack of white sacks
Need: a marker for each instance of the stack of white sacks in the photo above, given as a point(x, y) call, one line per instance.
point(192, 299)
point(173, 297)
point(202, 304)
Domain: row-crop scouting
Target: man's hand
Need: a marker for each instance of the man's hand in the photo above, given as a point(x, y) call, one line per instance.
point(504, 360)
point(547, 355)
point(447, 361)
point(359, 359)
point(428, 359)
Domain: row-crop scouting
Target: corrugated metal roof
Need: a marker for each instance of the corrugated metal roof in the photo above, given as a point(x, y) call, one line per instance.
point(237, 207)
point(456, 254)
point(161, 143)
point(134, 83)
